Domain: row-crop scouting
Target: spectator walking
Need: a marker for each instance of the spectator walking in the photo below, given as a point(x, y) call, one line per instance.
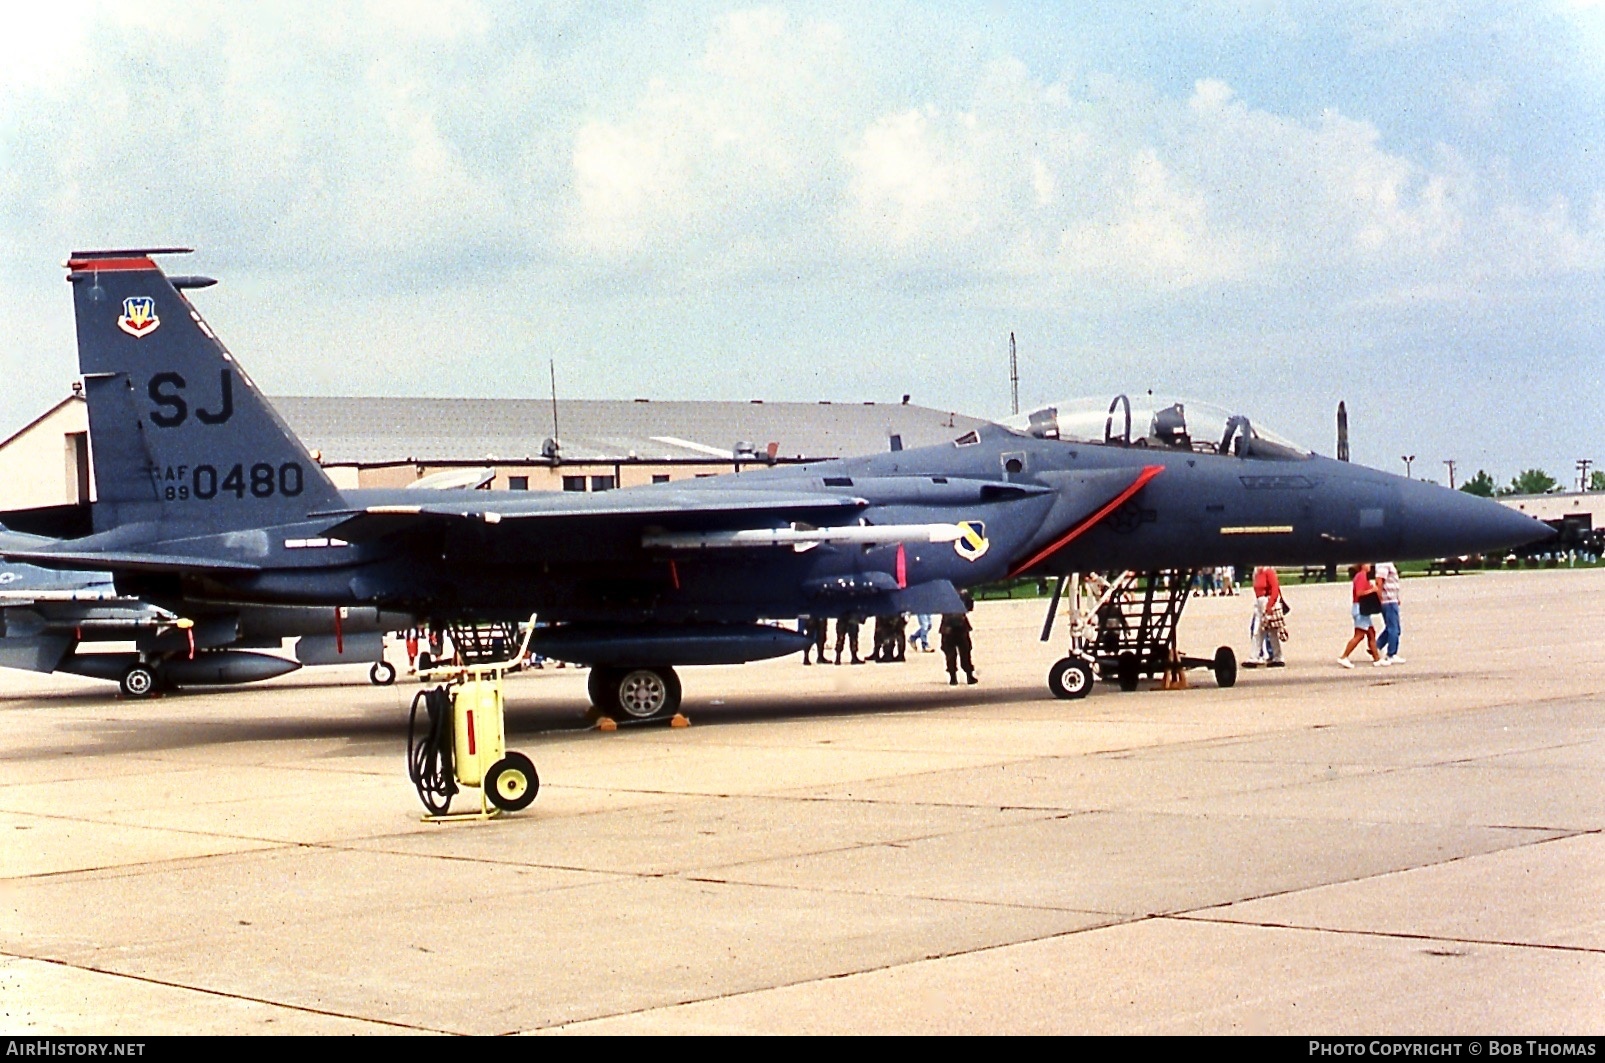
point(921, 639)
point(1268, 631)
point(1387, 578)
point(1366, 604)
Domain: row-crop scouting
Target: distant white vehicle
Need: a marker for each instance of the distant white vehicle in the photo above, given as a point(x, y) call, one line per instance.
point(454, 479)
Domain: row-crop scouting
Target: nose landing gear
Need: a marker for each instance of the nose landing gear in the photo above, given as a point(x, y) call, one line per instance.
point(1127, 630)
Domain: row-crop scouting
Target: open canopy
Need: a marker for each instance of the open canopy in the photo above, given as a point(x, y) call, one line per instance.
point(1150, 421)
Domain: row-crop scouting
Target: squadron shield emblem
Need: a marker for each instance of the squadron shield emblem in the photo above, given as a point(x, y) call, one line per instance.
point(139, 316)
point(972, 544)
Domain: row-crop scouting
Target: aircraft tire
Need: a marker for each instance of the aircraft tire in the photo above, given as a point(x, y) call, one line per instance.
point(382, 674)
point(1128, 671)
point(138, 682)
point(1225, 667)
point(1070, 678)
point(602, 688)
point(646, 693)
point(511, 784)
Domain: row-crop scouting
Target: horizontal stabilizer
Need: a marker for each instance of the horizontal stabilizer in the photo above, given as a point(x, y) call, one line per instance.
point(36, 653)
point(126, 561)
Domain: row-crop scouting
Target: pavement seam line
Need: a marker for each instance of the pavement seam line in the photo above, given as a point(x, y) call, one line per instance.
point(1394, 934)
point(146, 979)
point(931, 958)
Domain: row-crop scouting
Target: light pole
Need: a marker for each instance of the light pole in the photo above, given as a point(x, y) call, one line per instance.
point(1451, 463)
point(1407, 459)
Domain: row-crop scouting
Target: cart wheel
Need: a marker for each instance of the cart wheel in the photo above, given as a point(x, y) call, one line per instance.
point(382, 674)
point(1128, 671)
point(511, 784)
point(1070, 678)
point(1225, 667)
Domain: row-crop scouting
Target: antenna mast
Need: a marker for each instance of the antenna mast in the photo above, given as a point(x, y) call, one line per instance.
point(552, 364)
point(1014, 375)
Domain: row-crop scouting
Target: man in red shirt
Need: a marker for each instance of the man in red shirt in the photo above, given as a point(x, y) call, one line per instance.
point(1269, 631)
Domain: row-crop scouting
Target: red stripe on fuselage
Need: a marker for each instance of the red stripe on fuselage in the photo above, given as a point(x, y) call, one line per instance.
point(1148, 473)
point(110, 265)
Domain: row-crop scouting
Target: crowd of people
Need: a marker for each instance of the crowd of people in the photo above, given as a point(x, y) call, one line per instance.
point(1374, 600)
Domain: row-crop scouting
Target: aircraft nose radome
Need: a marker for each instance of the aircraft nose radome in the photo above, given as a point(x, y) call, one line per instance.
point(1439, 522)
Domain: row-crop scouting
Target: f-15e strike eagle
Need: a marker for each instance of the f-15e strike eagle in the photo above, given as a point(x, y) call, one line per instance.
point(204, 495)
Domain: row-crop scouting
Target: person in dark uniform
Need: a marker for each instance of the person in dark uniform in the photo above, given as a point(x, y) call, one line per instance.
point(881, 639)
point(955, 633)
point(814, 628)
point(847, 635)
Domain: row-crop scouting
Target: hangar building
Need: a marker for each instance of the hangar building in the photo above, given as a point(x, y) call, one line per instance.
point(598, 444)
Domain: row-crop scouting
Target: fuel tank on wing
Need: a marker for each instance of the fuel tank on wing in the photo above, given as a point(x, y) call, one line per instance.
point(214, 668)
point(593, 644)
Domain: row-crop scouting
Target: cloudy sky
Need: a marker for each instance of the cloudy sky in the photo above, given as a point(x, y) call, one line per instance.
point(1270, 205)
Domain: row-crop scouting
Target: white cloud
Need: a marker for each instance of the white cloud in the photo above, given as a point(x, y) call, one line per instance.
point(737, 150)
point(913, 179)
point(1029, 181)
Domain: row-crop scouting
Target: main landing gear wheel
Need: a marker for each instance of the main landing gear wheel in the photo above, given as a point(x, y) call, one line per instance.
point(138, 682)
point(1070, 678)
point(511, 784)
point(382, 674)
point(634, 693)
point(1225, 667)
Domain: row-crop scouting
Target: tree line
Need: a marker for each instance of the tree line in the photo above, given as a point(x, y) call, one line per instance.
point(1528, 482)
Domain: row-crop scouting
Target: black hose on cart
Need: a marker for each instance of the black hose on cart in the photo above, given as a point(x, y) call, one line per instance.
point(429, 755)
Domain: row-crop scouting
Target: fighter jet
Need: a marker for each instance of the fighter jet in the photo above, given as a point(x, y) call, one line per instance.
point(205, 495)
point(61, 621)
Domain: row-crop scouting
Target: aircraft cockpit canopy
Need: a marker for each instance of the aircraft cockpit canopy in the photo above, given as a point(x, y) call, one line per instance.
point(1160, 423)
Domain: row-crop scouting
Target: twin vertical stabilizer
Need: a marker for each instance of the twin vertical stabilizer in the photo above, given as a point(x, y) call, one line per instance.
point(180, 433)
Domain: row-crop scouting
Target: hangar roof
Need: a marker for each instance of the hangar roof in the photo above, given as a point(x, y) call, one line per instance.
point(375, 431)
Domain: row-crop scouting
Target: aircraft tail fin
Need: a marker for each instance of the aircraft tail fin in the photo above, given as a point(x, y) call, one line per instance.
point(179, 432)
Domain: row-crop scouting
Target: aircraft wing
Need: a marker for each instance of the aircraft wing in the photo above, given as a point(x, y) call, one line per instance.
point(684, 506)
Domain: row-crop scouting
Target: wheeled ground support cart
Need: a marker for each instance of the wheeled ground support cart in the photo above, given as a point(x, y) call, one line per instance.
point(1125, 630)
point(463, 742)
